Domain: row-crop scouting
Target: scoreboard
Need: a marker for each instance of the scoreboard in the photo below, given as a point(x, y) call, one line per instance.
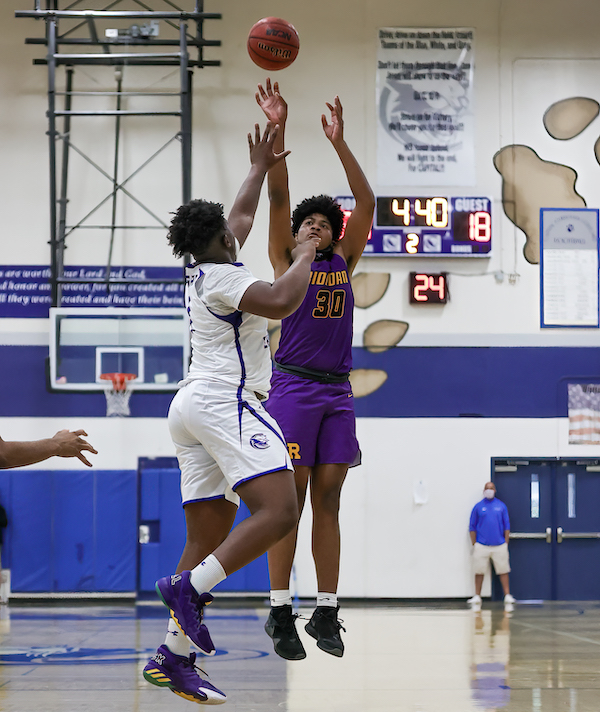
point(429, 226)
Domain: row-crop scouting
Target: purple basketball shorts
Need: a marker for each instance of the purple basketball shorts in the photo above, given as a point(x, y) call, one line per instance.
point(317, 419)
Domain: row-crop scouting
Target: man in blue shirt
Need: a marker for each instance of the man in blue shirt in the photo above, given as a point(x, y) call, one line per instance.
point(489, 529)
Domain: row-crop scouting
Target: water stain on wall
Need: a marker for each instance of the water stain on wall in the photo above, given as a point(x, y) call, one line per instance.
point(530, 183)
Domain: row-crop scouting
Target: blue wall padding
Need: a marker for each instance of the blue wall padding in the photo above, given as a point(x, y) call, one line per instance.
point(160, 505)
point(150, 494)
point(29, 547)
point(73, 531)
point(511, 382)
point(77, 531)
point(70, 530)
point(160, 502)
point(116, 531)
point(150, 566)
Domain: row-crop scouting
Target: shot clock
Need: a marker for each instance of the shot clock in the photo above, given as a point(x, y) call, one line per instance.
point(430, 226)
point(428, 288)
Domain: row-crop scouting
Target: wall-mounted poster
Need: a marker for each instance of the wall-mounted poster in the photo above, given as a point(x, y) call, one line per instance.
point(569, 263)
point(425, 127)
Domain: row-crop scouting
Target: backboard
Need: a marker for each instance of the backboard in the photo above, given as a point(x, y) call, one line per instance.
point(86, 342)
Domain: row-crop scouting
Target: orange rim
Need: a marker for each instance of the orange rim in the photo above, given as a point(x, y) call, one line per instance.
point(119, 380)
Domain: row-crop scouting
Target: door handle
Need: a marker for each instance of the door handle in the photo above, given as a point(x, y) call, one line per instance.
point(547, 535)
point(560, 535)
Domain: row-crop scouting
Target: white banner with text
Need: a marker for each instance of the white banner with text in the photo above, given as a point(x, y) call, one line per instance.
point(425, 132)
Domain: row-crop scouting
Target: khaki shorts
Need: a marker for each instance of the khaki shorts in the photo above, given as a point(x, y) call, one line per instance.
point(498, 554)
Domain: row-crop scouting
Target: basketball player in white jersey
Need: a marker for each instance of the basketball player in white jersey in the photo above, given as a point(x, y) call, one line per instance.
point(227, 445)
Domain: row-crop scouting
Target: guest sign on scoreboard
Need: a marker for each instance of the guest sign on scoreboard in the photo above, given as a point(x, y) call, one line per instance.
point(429, 226)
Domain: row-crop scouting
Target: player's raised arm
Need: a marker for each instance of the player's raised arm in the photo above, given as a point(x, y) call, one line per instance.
point(263, 156)
point(281, 240)
point(361, 219)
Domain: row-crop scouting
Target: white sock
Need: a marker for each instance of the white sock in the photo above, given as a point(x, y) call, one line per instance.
point(176, 641)
point(207, 574)
point(327, 599)
point(281, 597)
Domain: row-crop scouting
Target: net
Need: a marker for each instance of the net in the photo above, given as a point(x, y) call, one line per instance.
point(118, 392)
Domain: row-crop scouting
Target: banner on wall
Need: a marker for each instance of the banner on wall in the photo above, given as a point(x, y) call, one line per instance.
point(25, 289)
point(425, 127)
point(584, 414)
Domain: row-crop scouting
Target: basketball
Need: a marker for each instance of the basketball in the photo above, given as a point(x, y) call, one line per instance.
point(273, 43)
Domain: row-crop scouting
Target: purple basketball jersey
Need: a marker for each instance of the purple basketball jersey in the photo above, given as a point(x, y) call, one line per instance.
point(318, 334)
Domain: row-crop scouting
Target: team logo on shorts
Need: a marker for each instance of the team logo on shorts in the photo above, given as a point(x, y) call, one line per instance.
point(259, 441)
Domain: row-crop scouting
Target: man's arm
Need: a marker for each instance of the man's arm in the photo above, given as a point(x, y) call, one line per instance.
point(360, 221)
point(64, 444)
point(281, 240)
point(473, 525)
point(262, 158)
point(284, 296)
point(506, 535)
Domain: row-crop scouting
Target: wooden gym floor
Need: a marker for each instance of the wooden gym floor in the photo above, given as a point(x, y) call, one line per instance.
point(399, 658)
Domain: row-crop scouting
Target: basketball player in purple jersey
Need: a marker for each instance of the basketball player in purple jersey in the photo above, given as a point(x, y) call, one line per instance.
point(310, 395)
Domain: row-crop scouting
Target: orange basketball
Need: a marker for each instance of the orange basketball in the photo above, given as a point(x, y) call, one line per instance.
point(273, 43)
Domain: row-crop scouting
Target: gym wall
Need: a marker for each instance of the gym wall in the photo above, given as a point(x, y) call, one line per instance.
point(473, 379)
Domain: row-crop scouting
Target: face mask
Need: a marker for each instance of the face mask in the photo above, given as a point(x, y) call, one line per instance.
point(489, 493)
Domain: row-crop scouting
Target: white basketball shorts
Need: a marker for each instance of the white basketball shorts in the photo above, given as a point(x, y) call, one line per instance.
point(498, 554)
point(221, 441)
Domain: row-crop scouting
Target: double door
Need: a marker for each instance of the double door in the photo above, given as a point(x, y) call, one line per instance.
point(554, 510)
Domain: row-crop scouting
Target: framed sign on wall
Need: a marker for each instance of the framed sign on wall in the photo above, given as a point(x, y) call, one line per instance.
point(569, 263)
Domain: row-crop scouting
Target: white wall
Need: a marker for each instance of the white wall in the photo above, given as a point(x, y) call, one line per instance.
point(391, 546)
point(337, 56)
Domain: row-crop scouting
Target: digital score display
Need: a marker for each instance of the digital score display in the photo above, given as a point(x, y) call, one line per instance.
point(428, 288)
point(431, 226)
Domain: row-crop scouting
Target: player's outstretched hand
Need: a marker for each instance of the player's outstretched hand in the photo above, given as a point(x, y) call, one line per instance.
point(334, 130)
point(261, 148)
point(272, 103)
point(70, 444)
point(308, 247)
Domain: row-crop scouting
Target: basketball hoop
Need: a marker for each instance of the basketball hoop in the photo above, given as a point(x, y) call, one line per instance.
point(117, 391)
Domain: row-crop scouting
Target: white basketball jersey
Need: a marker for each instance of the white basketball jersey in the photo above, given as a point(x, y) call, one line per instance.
point(227, 345)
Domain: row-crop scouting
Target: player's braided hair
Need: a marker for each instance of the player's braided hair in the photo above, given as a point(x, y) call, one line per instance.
point(194, 225)
point(323, 204)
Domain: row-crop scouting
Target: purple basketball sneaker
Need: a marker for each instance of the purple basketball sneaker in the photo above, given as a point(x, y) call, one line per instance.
point(178, 673)
point(186, 604)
